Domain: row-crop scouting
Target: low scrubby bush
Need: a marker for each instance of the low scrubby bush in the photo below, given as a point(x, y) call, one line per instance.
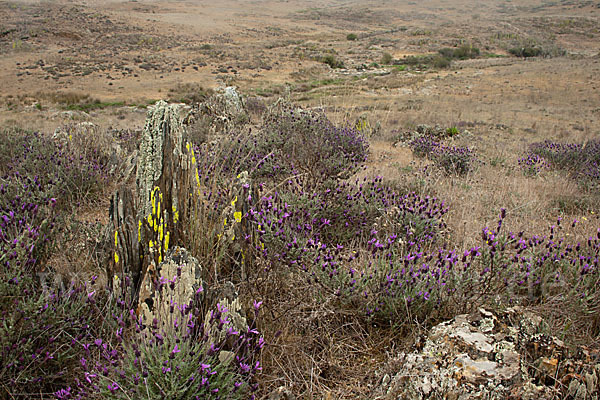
point(440, 62)
point(306, 142)
point(386, 59)
point(539, 268)
point(332, 61)
point(66, 171)
point(444, 57)
point(580, 160)
point(43, 178)
point(28, 229)
point(189, 355)
point(525, 52)
point(408, 281)
point(533, 47)
point(292, 144)
point(452, 159)
point(42, 335)
point(417, 61)
point(455, 159)
point(463, 52)
point(356, 214)
point(532, 164)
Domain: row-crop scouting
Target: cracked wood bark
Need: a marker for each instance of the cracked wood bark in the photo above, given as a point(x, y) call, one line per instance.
point(127, 259)
point(165, 163)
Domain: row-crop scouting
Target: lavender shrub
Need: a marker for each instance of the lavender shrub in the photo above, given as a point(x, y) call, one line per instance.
point(455, 159)
point(27, 226)
point(290, 223)
point(41, 335)
point(308, 143)
point(42, 180)
point(67, 176)
point(506, 269)
point(580, 160)
point(532, 164)
point(189, 355)
point(451, 159)
point(291, 143)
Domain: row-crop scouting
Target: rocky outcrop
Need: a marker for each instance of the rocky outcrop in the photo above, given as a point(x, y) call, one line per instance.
point(488, 356)
point(364, 125)
point(221, 113)
point(176, 281)
point(149, 222)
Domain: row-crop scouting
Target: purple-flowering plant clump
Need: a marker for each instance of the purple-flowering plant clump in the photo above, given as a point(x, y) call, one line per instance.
point(42, 177)
point(41, 335)
point(454, 159)
point(347, 239)
point(580, 160)
point(275, 158)
point(394, 278)
point(290, 223)
point(403, 281)
point(306, 142)
point(451, 159)
point(567, 155)
point(520, 268)
point(532, 164)
point(47, 338)
point(187, 354)
point(40, 327)
point(424, 146)
point(590, 175)
point(507, 268)
point(27, 226)
point(292, 142)
point(66, 175)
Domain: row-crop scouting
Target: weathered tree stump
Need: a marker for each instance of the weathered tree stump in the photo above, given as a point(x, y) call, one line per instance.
point(165, 162)
point(145, 224)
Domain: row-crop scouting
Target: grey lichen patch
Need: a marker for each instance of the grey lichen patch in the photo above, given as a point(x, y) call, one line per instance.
point(462, 359)
point(234, 104)
point(468, 358)
point(179, 281)
point(221, 113)
point(232, 317)
point(502, 347)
